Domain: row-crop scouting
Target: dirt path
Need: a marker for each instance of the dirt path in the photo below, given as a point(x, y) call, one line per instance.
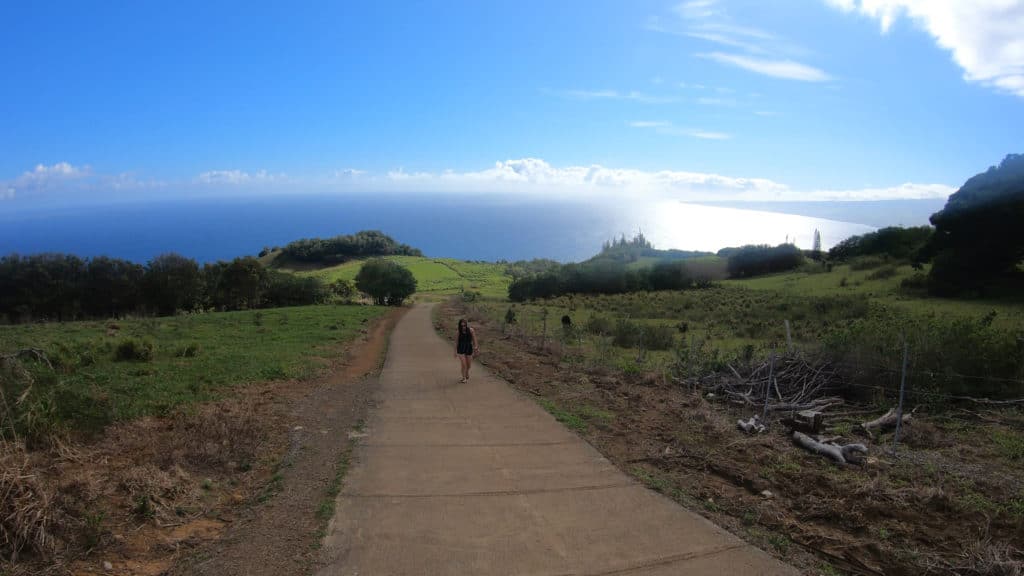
point(281, 536)
point(475, 479)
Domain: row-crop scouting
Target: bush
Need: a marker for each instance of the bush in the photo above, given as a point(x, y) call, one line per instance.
point(600, 325)
point(887, 271)
point(190, 350)
point(134, 350)
point(659, 337)
point(868, 262)
point(626, 333)
point(387, 282)
point(916, 285)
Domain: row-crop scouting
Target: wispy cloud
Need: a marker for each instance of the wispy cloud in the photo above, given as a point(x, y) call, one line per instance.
point(633, 95)
point(786, 69)
point(237, 177)
point(984, 36)
point(662, 127)
point(649, 124)
point(751, 49)
point(65, 177)
point(514, 178)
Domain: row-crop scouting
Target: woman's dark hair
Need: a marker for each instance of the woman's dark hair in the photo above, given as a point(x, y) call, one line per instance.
point(461, 322)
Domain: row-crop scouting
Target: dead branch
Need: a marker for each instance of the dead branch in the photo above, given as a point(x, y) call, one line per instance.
point(36, 353)
point(842, 454)
point(887, 420)
point(752, 426)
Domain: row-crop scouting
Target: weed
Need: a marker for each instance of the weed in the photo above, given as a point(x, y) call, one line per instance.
point(190, 350)
point(1008, 444)
point(780, 542)
point(652, 480)
point(134, 350)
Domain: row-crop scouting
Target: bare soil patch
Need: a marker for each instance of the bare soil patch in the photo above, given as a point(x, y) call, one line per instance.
point(951, 503)
point(228, 487)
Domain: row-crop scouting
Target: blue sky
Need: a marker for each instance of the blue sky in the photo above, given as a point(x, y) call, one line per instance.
point(699, 100)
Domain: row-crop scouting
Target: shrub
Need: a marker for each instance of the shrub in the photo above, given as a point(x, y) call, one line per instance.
point(916, 285)
point(133, 350)
point(600, 325)
point(626, 333)
point(868, 262)
point(190, 350)
point(658, 337)
point(387, 282)
point(887, 271)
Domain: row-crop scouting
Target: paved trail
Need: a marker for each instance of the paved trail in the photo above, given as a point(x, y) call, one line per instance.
point(475, 479)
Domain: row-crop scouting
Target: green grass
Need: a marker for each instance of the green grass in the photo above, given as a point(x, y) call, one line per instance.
point(434, 275)
point(814, 281)
point(577, 418)
point(194, 358)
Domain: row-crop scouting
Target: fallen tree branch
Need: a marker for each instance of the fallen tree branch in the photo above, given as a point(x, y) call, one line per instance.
point(887, 420)
point(842, 454)
point(752, 426)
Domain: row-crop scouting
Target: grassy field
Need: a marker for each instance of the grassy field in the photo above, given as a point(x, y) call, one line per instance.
point(110, 371)
point(434, 275)
point(883, 288)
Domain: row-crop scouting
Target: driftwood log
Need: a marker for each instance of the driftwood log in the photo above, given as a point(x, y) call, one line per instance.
point(887, 420)
point(842, 454)
point(752, 426)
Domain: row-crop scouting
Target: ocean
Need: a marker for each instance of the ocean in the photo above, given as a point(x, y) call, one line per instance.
point(466, 227)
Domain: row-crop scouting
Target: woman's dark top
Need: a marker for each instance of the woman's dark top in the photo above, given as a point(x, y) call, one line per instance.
point(465, 342)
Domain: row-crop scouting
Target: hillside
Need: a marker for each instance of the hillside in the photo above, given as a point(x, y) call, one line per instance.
point(433, 275)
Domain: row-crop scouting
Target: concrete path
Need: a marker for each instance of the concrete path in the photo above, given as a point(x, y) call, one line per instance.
point(475, 479)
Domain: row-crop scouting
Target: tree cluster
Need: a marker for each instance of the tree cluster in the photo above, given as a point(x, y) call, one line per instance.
point(978, 242)
point(632, 249)
point(64, 287)
point(603, 277)
point(330, 251)
point(895, 242)
point(387, 282)
point(748, 261)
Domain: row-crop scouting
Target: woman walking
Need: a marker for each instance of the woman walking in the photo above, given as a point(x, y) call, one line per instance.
point(465, 348)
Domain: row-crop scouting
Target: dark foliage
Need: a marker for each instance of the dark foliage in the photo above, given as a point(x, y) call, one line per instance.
point(750, 261)
point(61, 287)
point(603, 277)
point(387, 282)
point(893, 242)
point(978, 240)
point(330, 251)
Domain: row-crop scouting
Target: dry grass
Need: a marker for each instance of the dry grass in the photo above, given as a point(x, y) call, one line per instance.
point(61, 501)
point(29, 521)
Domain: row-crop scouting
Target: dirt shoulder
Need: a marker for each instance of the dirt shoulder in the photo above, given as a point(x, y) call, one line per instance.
point(935, 509)
point(233, 486)
point(282, 536)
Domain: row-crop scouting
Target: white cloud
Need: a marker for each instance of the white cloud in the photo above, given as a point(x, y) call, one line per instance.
point(512, 178)
point(237, 177)
point(786, 69)
point(671, 129)
point(632, 95)
point(649, 124)
point(984, 36)
point(526, 176)
point(66, 177)
point(761, 51)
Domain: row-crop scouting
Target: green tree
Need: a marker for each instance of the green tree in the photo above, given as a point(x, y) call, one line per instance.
point(387, 282)
point(977, 241)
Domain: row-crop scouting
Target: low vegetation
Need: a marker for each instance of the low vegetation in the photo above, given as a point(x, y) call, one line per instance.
point(105, 372)
point(339, 249)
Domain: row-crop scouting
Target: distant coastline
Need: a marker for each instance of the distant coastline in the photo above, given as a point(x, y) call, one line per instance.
point(465, 227)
